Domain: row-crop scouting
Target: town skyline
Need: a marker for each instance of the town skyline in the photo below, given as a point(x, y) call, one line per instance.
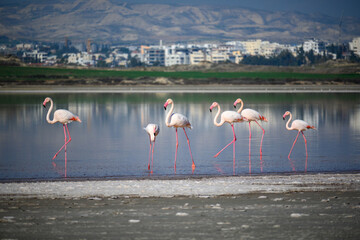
point(253, 52)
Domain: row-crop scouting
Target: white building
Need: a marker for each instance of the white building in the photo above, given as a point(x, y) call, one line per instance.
point(176, 55)
point(84, 58)
point(199, 56)
point(73, 57)
point(311, 44)
point(252, 47)
point(22, 46)
point(355, 46)
point(235, 57)
point(268, 49)
point(218, 56)
point(51, 60)
point(153, 55)
point(36, 55)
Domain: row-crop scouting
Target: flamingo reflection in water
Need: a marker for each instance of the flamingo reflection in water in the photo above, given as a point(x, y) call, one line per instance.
point(178, 120)
point(292, 164)
point(251, 115)
point(64, 117)
point(59, 169)
point(153, 130)
point(230, 117)
point(300, 126)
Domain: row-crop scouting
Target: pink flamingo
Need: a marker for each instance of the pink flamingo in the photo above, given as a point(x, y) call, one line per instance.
point(251, 115)
point(62, 116)
point(153, 130)
point(300, 126)
point(230, 117)
point(178, 120)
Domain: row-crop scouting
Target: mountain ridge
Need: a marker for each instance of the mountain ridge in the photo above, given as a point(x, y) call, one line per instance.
point(103, 20)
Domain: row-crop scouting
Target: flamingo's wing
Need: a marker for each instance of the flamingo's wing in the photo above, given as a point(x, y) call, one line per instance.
point(230, 116)
point(300, 125)
point(179, 120)
point(148, 128)
point(250, 114)
point(64, 116)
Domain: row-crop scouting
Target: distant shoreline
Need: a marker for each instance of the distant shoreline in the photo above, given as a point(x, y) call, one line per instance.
point(209, 88)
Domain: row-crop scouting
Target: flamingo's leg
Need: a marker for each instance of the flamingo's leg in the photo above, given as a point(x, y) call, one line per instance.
point(65, 149)
point(306, 151)
point(149, 153)
point(232, 126)
point(234, 139)
point(305, 143)
point(193, 164)
point(293, 144)
point(152, 156)
point(177, 145)
point(262, 137)
point(68, 134)
point(66, 142)
point(249, 147)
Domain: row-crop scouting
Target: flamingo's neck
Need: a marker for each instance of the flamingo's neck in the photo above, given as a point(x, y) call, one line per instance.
point(288, 122)
point(218, 124)
point(48, 113)
point(167, 120)
point(241, 107)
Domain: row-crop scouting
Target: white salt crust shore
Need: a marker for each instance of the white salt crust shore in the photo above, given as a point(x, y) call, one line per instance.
point(204, 187)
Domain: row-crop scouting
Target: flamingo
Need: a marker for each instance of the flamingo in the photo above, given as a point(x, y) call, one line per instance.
point(178, 120)
point(153, 130)
point(64, 117)
point(300, 126)
point(230, 117)
point(251, 115)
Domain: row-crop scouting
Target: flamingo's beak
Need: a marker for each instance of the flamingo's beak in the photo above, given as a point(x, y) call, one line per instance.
point(234, 105)
point(44, 105)
point(211, 107)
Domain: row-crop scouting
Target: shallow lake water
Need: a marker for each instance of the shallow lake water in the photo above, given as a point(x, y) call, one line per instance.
point(111, 143)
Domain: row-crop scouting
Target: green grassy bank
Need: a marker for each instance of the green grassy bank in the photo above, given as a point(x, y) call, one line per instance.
point(33, 74)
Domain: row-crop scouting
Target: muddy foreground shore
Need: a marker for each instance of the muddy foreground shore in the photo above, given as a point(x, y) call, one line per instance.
point(296, 215)
point(310, 206)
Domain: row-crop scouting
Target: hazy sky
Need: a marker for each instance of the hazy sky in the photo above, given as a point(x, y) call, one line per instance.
point(328, 7)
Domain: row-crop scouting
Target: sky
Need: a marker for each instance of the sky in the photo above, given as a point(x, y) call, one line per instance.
point(329, 7)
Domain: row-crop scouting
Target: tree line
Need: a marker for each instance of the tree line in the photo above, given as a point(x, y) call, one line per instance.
point(286, 58)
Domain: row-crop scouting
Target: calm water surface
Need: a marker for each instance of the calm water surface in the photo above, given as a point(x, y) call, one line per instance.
point(110, 141)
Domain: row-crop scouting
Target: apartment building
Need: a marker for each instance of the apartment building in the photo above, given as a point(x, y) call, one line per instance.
point(252, 47)
point(154, 55)
point(176, 56)
point(199, 55)
point(311, 44)
point(35, 55)
point(355, 45)
point(218, 56)
point(24, 46)
point(235, 57)
point(84, 58)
